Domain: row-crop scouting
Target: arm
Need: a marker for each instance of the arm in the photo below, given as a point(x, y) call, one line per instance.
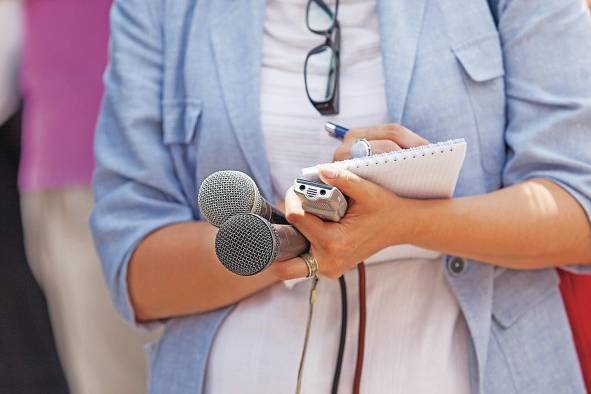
point(157, 260)
point(175, 271)
point(531, 225)
point(535, 224)
point(546, 202)
point(541, 217)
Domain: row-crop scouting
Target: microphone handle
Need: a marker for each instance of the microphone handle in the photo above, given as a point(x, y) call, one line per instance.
point(277, 217)
point(289, 241)
point(269, 212)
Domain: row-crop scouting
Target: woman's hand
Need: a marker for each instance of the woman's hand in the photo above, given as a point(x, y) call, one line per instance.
point(382, 138)
point(368, 225)
point(364, 230)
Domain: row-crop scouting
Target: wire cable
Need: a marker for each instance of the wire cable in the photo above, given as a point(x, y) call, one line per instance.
point(307, 335)
point(361, 333)
point(339, 364)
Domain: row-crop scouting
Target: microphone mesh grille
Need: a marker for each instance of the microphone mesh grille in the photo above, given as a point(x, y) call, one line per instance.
point(224, 194)
point(245, 244)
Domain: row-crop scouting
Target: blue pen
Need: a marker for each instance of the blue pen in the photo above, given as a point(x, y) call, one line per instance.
point(335, 130)
point(361, 148)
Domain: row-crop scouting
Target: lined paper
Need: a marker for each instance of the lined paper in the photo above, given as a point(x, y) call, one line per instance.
point(428, 171)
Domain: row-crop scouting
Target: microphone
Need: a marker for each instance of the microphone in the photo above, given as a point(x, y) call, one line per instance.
point(247, 244)
point(224, 194)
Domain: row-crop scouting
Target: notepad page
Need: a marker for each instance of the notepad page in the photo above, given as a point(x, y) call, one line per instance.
point(429, 171)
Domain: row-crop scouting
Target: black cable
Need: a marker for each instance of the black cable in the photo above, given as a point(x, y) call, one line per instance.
point(339, 364)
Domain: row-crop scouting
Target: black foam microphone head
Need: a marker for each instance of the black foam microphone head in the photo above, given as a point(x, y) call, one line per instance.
point(224, 194)
point(246, 244)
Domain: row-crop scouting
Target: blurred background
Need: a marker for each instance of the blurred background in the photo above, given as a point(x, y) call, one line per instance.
point(58, 330)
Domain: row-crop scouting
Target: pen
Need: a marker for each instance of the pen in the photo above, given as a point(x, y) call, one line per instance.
point(336, 131)
point(361, 148)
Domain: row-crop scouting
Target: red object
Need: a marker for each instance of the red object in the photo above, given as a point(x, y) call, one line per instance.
point(576, 294)
point(361, 333)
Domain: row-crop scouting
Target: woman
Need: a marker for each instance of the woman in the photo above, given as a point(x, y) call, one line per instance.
point(197, 87)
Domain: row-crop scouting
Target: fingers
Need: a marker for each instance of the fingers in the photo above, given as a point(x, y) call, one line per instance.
point(382, 138)
point(343, 152)
point(398, 134)
point(311, 226)
point(347, 182)
point(383, 146)
point(290, 269)
point(377, 146)
point(280, 206)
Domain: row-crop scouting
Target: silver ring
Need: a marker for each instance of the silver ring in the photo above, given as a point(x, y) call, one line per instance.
point(311, 262)
point(361, 148)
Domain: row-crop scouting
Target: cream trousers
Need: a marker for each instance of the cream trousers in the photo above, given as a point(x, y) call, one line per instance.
point(100, 354)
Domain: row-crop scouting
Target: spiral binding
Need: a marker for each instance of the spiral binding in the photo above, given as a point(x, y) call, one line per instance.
point(404, 154)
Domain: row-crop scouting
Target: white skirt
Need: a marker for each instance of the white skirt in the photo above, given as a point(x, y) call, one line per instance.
point(416, 337)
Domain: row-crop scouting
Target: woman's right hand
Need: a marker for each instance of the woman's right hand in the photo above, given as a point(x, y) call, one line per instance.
point(382, 138)
point(376, 218)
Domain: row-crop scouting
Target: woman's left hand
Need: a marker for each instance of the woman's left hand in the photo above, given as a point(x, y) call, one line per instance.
point(367, 227)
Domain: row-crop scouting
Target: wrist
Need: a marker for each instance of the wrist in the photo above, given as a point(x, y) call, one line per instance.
point(407, 224)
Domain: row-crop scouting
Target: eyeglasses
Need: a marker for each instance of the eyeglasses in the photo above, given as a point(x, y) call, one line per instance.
point(321, 70)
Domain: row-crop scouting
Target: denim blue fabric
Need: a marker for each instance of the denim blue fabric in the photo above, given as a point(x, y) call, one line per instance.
point(182, 101)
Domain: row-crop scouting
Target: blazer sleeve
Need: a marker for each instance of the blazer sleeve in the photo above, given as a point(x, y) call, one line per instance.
point(547, 55)
point(135, 185)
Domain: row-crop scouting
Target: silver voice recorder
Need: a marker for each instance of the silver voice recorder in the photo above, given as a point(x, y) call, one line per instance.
point(325, 201)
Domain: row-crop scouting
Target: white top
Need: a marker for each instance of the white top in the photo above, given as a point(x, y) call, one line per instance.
point(416, 338)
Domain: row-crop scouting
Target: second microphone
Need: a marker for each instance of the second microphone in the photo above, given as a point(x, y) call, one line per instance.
point(252, 233)
point(247, 244)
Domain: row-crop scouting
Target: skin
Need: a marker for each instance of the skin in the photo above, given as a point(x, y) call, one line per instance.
point(531, 225)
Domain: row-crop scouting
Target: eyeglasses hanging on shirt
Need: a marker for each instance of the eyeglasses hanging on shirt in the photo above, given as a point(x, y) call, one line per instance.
point(321, 69)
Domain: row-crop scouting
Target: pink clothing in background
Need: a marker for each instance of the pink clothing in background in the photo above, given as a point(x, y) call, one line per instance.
point(64, 56)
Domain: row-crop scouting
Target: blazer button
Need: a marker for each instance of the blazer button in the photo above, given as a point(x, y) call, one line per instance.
point(456, 265)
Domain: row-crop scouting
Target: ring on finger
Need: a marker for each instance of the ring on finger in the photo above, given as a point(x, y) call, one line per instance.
point(311, 263)
point(361, 148)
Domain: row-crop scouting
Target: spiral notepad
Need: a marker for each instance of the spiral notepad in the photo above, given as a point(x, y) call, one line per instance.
point(428, 171)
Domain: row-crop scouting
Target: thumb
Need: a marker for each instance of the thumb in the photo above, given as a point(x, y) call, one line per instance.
point(347, 182)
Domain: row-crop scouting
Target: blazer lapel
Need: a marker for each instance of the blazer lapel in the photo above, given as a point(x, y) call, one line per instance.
point(400, 28)
point(236, 28)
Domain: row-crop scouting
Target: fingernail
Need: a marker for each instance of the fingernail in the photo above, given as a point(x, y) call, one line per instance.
point(329, 172)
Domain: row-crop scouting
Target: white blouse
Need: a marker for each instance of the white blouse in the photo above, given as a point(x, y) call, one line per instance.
point(416, 337)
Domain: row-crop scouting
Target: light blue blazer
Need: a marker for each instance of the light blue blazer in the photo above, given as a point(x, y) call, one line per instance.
point(182, 101)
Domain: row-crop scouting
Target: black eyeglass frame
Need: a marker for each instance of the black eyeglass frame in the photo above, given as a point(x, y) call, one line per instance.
point(332, 41)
